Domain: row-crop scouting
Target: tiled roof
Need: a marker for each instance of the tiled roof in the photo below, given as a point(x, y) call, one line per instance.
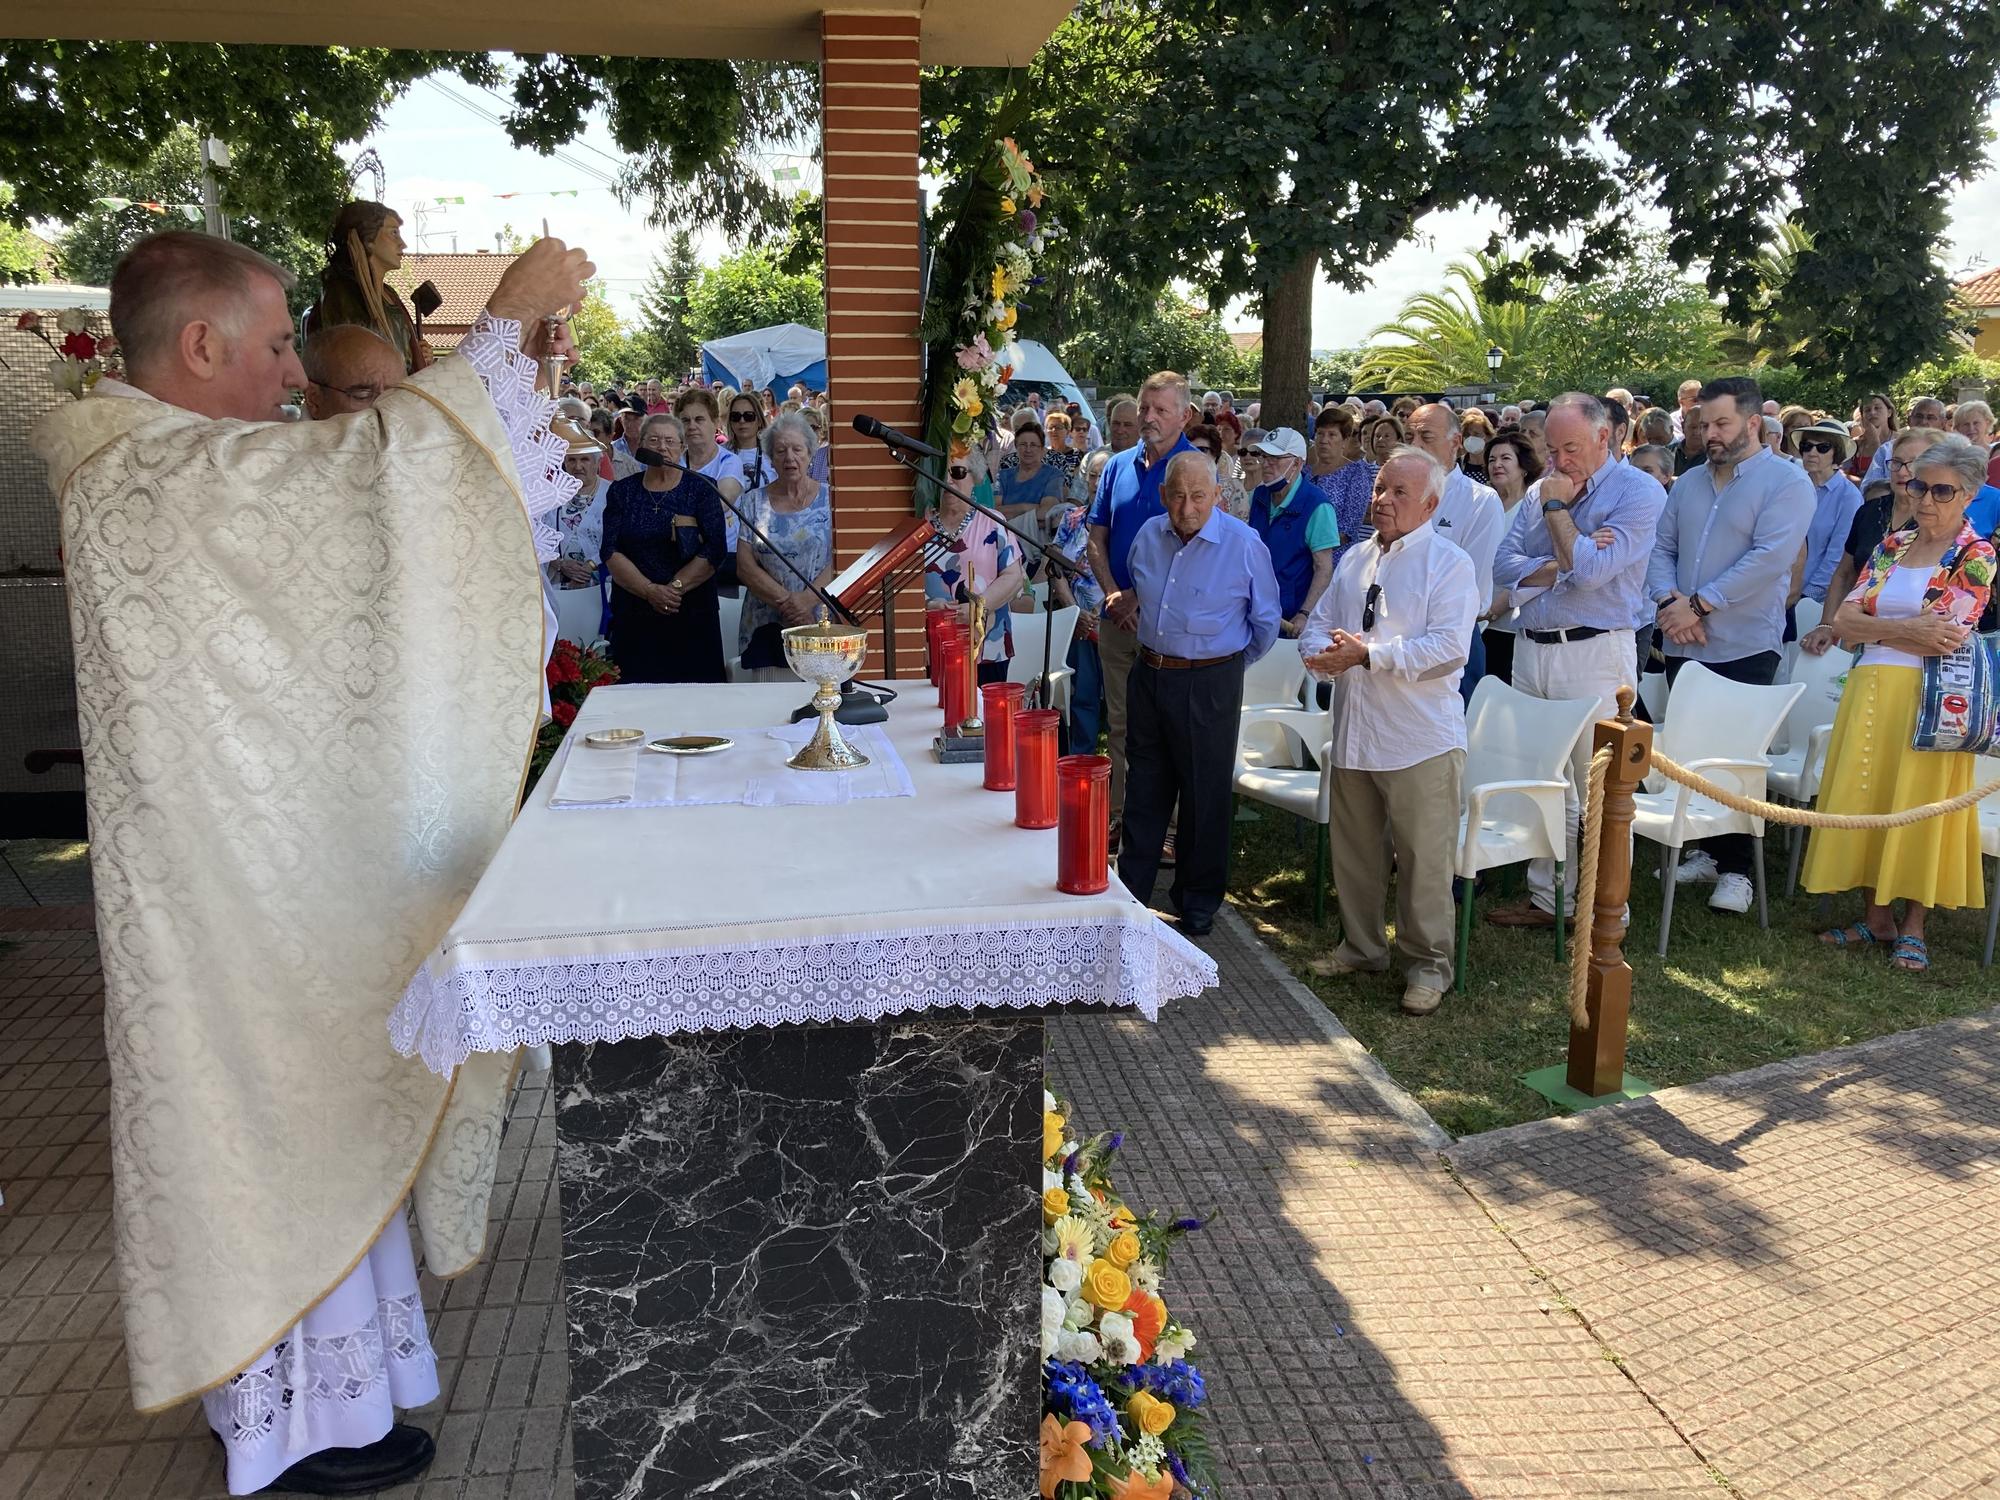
point(1982, 290)
point(464, 281)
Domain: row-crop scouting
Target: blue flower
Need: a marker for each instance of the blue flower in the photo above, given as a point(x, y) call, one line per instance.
point(1074, 1393)
point(1187, 1224)
point(1179, 1382)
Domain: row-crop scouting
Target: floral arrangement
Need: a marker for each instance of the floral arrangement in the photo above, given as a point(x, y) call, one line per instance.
point(992, 306)
point(573, 671)
point(81, 359)
point(1122, 1414)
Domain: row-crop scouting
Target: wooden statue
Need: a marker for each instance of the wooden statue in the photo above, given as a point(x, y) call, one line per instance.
point(364, 245)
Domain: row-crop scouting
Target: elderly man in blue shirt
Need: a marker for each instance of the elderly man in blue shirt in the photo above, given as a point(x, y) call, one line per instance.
point(1721, 570)
point(1204, 601)
point(1576, 556)
point(1128, 496)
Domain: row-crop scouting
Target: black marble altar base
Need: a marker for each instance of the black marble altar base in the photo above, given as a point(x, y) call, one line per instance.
point(805, 1261)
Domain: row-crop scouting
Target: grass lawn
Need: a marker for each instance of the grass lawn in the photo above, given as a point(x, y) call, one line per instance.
point(1728, 996)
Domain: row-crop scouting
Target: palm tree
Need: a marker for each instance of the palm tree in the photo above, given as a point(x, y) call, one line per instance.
point(1443, 337)
point(1772, 336)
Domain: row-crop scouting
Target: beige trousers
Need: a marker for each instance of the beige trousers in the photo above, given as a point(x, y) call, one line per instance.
point(1419, 807)
point(1116, 651)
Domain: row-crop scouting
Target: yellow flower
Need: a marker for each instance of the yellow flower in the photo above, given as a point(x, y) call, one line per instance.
point(973, 406)
point(1153, 1415)
point(1123, 1249)
point(1072, 1240)
point(1008, 318)
point(1055, 1203)
point(1007, 205)
point(1052, 1123)
point(1105, 1286)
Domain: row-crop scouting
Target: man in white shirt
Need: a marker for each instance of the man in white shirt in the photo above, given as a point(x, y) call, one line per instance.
point(1394, 627)
point(1470, 516)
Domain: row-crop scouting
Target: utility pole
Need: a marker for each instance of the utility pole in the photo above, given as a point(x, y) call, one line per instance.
point(213, 154)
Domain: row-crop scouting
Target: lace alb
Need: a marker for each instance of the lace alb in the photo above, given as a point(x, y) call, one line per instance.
point(493, 349)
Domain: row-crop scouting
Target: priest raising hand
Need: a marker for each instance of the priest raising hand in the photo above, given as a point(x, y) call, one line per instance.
point(309, 665)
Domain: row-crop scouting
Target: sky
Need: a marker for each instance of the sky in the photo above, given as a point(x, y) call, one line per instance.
point(443, 140)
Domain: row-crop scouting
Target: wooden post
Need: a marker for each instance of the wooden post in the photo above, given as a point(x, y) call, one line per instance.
point(1597, 1049)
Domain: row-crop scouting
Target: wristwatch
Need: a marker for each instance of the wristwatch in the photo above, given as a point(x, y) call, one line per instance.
point(676, 585)
point(1701, 611)
point(1550, 507)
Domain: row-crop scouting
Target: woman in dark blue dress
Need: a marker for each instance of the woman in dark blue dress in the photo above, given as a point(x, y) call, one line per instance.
point(664, 539)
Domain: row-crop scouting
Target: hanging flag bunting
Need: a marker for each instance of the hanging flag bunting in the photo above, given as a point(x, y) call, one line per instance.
point(785, 174)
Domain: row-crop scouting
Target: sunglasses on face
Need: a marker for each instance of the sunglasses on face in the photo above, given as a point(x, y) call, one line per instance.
point(1816, 445)
point(1204, 448)
point(1937, 494)
point(743, 416)
point(961, 472)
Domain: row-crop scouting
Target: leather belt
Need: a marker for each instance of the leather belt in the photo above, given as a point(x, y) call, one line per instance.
point(1153, 658)
point(1562, 637)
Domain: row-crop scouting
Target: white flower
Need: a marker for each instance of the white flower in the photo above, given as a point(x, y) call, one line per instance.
point(1081, 1347)
point(73, 320)
point(1065, 1275)
point(1050, 1179)
point(1054, 1309)
point(1051, 1338)
point(1121, 1344)
point(1146, 1276)
point(1080, 1313)
point(1174, 1343)
point(66, 374)
point(1048, 1102)
point(1148, 1454)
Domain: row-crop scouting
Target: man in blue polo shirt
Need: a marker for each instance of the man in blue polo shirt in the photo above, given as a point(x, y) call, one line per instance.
point(1128, 496)
point(1298, 526)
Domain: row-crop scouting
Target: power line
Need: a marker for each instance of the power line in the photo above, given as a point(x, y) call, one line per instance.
point(615, 161)
point(475, 108)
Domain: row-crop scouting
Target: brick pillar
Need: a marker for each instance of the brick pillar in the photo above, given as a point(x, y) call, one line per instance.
point(868, 81)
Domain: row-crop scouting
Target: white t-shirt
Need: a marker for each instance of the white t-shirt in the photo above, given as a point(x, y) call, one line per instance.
point(1902, 597)
point(727, 464)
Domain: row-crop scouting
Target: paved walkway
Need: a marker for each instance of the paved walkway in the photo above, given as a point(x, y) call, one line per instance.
point(1781, 1284)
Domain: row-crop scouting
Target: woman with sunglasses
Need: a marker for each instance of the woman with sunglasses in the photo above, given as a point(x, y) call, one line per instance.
point(1925, 590)
point(971, 548)
point(1822, 447)
point(744, 427)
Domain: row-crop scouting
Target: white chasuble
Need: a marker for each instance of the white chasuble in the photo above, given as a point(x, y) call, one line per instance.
point(309, 669)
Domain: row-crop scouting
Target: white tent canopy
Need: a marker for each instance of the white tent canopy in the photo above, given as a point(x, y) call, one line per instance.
point(768, 357)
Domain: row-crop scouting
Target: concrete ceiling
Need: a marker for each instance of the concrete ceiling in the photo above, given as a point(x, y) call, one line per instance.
point(966, 33)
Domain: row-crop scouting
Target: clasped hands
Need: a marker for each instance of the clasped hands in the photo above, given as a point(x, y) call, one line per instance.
point(1680, 624)
point(1342, 652)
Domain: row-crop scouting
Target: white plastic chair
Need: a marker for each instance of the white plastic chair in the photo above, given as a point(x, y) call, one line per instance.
point(1806, 615)
point(1720, 730)
point(1517, 750)
point(1987, 770)
point(1653, 693)
point(1026, 664)
point(1797, 767)
point(1276, 678)
point(1282, 761)
point(731, 611)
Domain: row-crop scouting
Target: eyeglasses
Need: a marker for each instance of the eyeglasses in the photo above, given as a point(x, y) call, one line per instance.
point(1368, 603)
point(1817, 445)
point(961, 472)
point(364, 394)
point(1203, 448)
point(1908, 466)
point(743, 416)
point(1937, 494)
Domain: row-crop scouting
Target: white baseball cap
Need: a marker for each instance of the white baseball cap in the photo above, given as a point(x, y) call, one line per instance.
point(1281, 442)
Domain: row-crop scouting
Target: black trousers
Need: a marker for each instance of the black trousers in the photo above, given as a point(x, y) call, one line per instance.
point(1180, 746)
point(1733, 851)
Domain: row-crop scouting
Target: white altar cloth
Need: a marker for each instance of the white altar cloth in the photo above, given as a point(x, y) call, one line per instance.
point(752, 771)
point(678, 919)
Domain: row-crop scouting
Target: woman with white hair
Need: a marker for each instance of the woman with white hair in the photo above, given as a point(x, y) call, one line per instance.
point(1925, 589)
point(788, 542)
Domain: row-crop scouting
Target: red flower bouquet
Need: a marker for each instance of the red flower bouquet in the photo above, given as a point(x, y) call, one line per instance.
point(573, 671)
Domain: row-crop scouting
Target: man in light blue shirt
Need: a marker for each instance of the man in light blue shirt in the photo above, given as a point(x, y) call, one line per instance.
point(1822, 448)
point(1576, 553)
point(1720, 573)
point(1204, 602)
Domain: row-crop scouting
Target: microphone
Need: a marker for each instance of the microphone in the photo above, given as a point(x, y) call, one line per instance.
point(869, 426)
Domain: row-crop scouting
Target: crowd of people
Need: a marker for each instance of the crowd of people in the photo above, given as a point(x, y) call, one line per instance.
point(1566, 548)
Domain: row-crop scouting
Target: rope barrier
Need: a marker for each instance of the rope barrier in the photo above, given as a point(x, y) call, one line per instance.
point(1586, 888)
point(1805, 817)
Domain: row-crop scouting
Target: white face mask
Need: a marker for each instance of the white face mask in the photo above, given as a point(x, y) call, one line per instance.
point(1475, 445)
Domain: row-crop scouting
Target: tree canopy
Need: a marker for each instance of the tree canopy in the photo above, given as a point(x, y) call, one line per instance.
point(748, 290)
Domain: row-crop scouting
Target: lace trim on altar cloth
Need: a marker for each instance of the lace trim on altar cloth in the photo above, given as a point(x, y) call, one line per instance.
point(306, 1377)
point(856, 977)
point(493, 349)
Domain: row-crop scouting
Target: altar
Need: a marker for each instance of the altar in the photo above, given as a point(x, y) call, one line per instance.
point(798, 1056)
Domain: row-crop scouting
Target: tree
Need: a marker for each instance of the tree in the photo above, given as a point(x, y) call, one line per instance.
point(1645, 315)
point(663, 342)
point(24, 256)
point(1180, 335)
point(747, 290)
point(1442, 338)
point(94, 241)
point(601, 344)
point(805, 247)
point(284, 111)
point(1334, 370)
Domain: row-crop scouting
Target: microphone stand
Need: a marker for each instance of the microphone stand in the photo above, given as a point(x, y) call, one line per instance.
point(860, 703)
point(1051, 557)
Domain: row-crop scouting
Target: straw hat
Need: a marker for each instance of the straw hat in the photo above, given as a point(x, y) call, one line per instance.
point(1843, 440)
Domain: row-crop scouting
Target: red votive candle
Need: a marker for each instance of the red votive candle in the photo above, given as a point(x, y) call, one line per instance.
point(1083, 824)
point(968, 680)
point(936, 623)
point(1035, 767)
point(999, 702)
point(952, 674)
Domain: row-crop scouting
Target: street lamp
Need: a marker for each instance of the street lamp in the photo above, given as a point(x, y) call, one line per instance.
point(1494, 354)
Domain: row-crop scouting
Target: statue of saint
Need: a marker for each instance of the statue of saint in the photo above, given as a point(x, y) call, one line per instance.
point(363, 247)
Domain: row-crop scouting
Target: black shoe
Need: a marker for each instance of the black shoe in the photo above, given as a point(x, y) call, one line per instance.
point(1197, 926)
point(396, 1459)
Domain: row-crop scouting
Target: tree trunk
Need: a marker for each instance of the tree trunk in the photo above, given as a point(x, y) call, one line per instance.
point(1288, 343)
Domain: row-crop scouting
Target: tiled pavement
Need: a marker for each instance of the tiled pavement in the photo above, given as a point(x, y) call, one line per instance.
point(1780, 1284)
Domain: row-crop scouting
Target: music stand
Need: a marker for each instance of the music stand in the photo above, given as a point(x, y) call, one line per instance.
point(867, 587)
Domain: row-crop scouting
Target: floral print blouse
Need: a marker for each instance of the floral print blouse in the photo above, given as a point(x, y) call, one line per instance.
point(1960, 588)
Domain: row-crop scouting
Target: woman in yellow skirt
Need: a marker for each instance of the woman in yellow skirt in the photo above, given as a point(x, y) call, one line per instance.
point(1923, 591)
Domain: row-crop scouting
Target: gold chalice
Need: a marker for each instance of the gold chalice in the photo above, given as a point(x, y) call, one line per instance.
point(826, 655)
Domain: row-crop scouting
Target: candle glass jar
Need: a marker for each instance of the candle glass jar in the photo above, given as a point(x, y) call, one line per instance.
point(999, 702)
point(1083, 824)
point(1035, 731)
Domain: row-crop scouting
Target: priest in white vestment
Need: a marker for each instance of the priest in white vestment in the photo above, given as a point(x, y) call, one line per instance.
point(309, 663)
